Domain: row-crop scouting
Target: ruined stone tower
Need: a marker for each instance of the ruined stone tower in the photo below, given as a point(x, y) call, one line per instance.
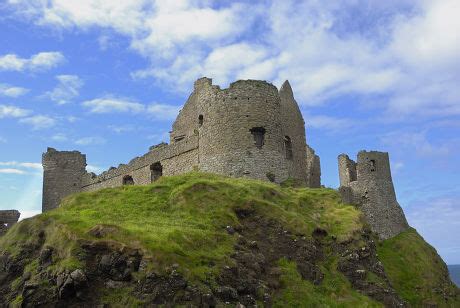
point(368, 184)
point(247, 130)
point(62, 175)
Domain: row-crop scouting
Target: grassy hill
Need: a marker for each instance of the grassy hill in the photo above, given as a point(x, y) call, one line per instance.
point(206, 240)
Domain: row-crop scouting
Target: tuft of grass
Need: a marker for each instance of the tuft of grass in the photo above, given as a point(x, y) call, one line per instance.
point(416, 271)
point(334, 290)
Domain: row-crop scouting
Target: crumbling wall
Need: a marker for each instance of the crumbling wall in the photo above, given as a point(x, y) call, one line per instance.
point(313, 168)
point(7, 219)
point(62, 176)
point(247, 130)
point(293, 131)
point(175, 158)
point(372, 191)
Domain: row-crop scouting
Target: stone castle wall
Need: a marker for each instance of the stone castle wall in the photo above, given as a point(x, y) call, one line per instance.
point(7, 219)
point(368, 184)
point(247, 130)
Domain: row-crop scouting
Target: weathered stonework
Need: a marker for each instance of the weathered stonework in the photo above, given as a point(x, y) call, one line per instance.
point(247, 130)
point(7, 219)
point(368, 184)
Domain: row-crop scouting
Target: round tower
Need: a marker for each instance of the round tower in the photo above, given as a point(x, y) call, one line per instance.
point(240, 131)
point(62, 174)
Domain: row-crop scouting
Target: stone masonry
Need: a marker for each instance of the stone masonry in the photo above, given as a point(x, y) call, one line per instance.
point(247, 130)
point(7, 219)
point(367, 183)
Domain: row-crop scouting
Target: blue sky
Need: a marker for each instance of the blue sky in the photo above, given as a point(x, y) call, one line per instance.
point(108, 77)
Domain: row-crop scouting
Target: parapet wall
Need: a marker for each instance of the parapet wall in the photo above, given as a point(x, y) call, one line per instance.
point(368, 184)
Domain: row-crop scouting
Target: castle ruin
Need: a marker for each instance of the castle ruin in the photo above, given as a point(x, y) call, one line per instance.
point(7, 219)
point(250, 129)
point(367, 183)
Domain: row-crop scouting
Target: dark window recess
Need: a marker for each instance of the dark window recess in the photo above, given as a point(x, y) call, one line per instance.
point(200, 119)
point(179, 138)
point(288, 147)
point(128, 180)
point(259, 136)
point(372, 165)
point(156, 171)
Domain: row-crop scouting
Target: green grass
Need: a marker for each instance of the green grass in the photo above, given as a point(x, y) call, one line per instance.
point(334, 291)
point(415, 270)
point(182, 220)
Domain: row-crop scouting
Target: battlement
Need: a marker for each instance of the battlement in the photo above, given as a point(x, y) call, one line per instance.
point(368, 184)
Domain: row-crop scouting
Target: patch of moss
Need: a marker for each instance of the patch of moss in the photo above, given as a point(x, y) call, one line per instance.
point(416, 271)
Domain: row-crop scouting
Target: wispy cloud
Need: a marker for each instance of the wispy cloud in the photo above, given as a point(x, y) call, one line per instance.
point(108, 105)
point(90, 141)
point(11, 171)
point(12, 91)
point(59, 137)
point(67, 89)
point(406, 51)
point(39, 121)
point(7, 111)
point(27, 165)
point(119, 105)
point(3, 139)
point(39, 61)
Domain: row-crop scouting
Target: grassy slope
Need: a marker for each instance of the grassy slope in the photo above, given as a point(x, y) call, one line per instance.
point(415, 269)
point(182, 220)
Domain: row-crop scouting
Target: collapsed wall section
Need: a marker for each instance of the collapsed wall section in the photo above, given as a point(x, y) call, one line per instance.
point(7, 219)
point(313, 165)
point(368, 184)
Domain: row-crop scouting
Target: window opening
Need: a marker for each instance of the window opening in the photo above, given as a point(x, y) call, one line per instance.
point(259, 136)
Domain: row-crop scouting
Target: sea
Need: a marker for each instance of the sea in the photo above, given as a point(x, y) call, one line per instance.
point(454, 271)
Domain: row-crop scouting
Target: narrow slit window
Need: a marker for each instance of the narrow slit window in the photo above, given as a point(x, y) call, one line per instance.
point(200, 120)
point(288, 147)
point(259, 136)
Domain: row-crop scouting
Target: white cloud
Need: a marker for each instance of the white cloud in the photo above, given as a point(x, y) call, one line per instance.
point(27, 165)
point(90, 141)
point(113, 104)
point(59, 137)
point(11, 171)
point(11, 91)
point(3, 140)
point(13, 112)
point(38, 121)
point(163, 112)
point(107, 105)
point(39, 61)
point(415, 142)
point(95, 169)
point(68, 88)
point(406, 51)
point(328, 123)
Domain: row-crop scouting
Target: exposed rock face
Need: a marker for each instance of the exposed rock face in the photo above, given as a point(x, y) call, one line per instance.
point(247, 130)
point(7, 219)
point(252, 276)
point(368, 184)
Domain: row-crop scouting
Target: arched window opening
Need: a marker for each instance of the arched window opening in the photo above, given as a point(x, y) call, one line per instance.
point(288, 147)
point(128, 180)
point(372, 165)
point(156, 171)
point(259, 136)
point(200, 120)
